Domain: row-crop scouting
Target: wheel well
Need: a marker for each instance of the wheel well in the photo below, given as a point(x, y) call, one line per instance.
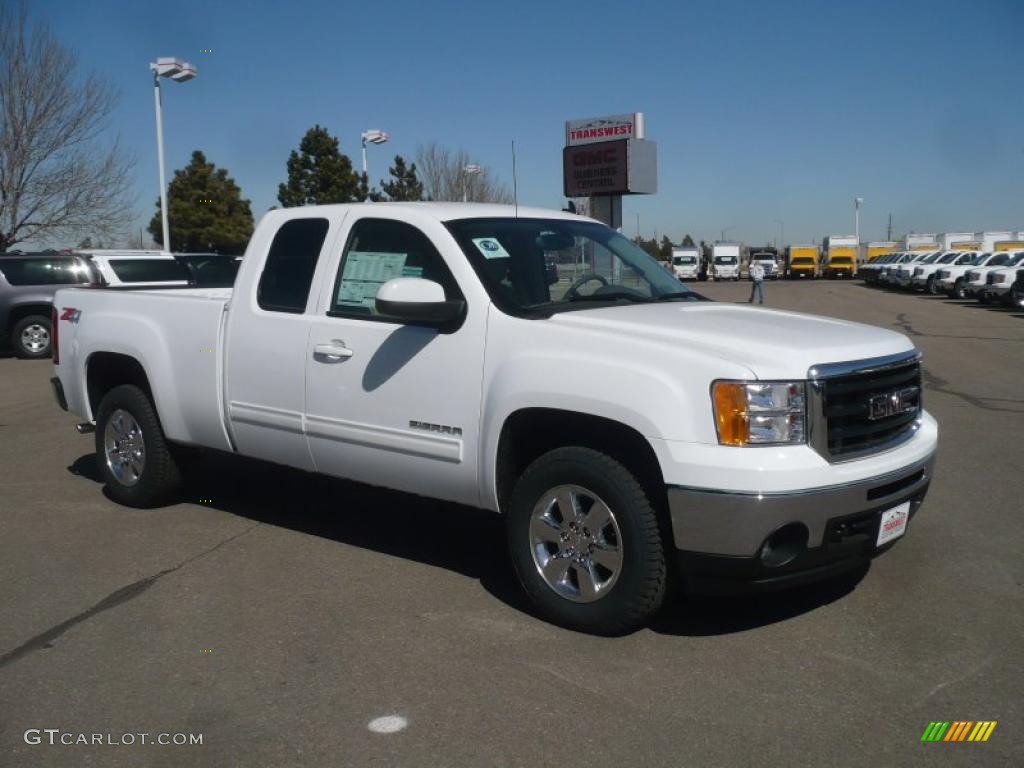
point(106, 370)
point(21, 312)
point(529, 433)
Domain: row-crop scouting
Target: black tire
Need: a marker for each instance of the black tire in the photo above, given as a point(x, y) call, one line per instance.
point(929, 286)
point(160, 477)
point(639, 590)
point(30, 351)
point(959, 291)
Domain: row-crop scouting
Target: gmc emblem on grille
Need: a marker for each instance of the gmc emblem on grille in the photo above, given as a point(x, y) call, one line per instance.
point(892, 404)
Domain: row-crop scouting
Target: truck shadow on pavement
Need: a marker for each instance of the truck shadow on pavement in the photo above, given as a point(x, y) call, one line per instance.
point(445, 535)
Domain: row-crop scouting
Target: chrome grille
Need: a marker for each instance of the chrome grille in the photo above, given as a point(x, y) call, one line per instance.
point(844, 420)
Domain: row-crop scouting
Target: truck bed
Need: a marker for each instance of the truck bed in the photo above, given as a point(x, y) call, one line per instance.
point(176, 335)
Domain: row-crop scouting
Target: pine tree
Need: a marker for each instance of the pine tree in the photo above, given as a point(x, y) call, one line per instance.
point(404, 183)
point(320, 173)
point(205, 210)
point(687, 241)
point(665, 249)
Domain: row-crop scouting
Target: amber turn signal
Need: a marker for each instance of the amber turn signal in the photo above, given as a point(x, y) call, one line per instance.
point(731, 417)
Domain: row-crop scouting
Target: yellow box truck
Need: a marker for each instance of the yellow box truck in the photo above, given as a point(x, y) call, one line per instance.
point(802, 262)
point(840, 256)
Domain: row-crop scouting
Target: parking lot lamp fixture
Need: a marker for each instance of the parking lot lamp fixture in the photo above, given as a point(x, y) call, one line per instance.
point(180, 72)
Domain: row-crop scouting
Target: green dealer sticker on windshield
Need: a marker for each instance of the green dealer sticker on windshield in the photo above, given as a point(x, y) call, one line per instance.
point(490, 248)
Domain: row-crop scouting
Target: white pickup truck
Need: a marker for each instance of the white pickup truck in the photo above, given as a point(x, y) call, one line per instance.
point(629, 431)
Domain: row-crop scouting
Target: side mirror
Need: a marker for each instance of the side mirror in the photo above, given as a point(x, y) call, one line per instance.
point(416, 301)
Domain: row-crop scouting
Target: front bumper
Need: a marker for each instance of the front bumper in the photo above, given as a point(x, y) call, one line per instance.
point(720, 535)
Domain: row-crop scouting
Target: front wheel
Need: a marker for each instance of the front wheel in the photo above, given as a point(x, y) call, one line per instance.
point(959, 289)
point(131, 450)
point(585, 542)
point(929, 286)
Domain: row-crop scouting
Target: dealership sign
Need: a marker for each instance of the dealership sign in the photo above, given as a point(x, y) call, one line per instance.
point(623, 167)
point(594, 129)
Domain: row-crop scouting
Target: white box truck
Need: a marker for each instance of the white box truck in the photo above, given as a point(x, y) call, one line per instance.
point(725, 261)
point(686, 262)
point(958, 241)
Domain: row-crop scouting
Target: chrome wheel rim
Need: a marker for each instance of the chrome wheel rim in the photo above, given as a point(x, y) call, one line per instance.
point(35, 338)
point(124, 447)
point(576, 543)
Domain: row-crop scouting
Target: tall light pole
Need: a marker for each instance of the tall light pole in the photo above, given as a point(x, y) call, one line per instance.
point(467, 171)
point(856, 223)
point(724, 230)
point(180, 72)
point(374, 137)
point(782, 233)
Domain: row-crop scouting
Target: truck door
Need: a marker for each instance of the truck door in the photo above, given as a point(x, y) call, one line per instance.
point(266, 346)
point(386, 403)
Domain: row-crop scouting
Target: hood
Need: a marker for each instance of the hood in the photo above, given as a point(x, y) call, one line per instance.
point(773, 344)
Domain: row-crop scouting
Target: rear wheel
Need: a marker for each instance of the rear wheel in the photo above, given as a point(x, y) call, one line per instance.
point(959, 289)
point(31, 337)
point(585, 542)
point(929, 285)
point(131, 450)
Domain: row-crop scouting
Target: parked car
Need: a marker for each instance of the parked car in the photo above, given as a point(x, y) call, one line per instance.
point(924, 274)
point(213, 270)
point(769, 260)
point(27, 284)
point(428, 354)
point(997, 284)
point(899, 275)
point(951, 279)
point(1017, 291)
point(871, 272)
point(977, 277)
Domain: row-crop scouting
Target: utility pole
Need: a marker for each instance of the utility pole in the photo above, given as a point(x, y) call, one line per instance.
point(888, 234)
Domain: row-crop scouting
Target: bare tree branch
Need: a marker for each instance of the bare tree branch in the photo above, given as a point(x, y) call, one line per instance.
point(441, 171)
point(56, 178)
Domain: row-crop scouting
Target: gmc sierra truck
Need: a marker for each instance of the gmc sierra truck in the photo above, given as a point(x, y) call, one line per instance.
point(629, 431)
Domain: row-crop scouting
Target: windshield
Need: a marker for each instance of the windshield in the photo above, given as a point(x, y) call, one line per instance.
point(598, 266)
point(947, 258)
point(725, 259)
point(684, 260)
point(1015, 259)
point(803, 260)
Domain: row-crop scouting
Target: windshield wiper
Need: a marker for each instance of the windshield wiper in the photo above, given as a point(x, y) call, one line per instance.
point(610, 297)
point(676, 295)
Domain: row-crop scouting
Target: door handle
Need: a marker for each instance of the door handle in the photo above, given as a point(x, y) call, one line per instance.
point(334, 348)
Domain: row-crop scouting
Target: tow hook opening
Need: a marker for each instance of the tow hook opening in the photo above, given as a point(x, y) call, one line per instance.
point(85, 428)
point(784, 546)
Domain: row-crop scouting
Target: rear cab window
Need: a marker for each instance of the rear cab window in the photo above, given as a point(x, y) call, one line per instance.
point(288, 272)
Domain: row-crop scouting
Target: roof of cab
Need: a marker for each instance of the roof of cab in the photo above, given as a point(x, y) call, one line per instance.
point(441, 211)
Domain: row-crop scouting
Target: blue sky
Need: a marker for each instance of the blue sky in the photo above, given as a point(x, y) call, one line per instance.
point(762, 111)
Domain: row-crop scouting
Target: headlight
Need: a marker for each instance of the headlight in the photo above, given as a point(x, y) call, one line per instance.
point(760, 412)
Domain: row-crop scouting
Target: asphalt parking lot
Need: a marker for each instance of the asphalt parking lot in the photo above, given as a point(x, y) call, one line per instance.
point(278, 614)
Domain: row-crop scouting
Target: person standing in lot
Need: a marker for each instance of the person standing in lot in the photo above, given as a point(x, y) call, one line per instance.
point(757, 280)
